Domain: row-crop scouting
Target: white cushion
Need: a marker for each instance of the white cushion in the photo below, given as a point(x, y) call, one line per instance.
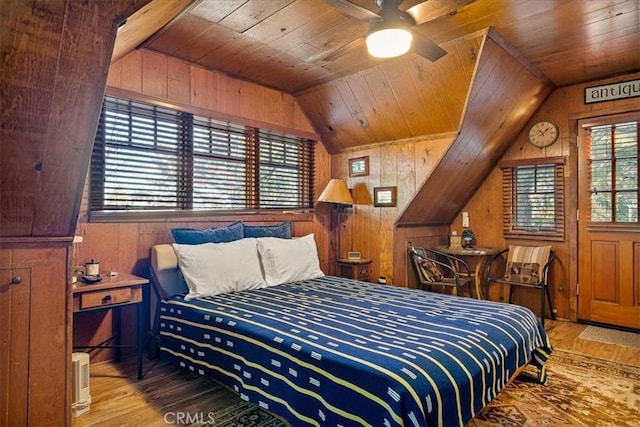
point(286, 261)
point(217, 268)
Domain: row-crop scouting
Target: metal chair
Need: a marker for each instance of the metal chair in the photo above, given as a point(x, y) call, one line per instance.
point(529, 271)
point(433, 267)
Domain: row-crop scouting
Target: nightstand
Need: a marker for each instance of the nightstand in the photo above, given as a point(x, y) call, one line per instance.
point(354, 269)
point(114, 293)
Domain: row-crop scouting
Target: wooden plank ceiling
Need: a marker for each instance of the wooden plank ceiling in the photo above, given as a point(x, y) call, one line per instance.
point(313, 50)
point(492, 118)
point(54, 72)
point(401, 99)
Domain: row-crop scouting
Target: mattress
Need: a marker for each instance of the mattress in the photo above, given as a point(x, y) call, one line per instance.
point(335, 351)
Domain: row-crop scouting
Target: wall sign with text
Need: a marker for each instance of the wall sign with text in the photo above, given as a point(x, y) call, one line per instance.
point(610, 92)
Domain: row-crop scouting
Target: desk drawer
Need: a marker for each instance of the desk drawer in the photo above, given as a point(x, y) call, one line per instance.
point(106, 297)
point(362, 273)
point(357, 271)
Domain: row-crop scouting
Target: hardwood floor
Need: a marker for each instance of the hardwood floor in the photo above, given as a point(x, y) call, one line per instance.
point(565, 336)
point(119, 399)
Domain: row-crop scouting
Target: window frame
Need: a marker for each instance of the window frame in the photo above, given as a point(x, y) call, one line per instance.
point(255, 127)
point(585, 127)
point(509, 197)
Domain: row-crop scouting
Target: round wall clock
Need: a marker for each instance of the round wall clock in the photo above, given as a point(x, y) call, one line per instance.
point(543, 134)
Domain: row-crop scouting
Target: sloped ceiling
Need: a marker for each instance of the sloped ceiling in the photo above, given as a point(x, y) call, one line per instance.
point(55, 59)
point(145, 22)
point(313, 50)
point(503, 94)
point(396, 100)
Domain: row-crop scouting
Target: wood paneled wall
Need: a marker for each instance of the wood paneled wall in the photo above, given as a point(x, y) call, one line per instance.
point(370, 229)
point(502, 94)
point(564, 107)
point(154, 75)
point(125, 246)
point(365, 228)
point(53, 78)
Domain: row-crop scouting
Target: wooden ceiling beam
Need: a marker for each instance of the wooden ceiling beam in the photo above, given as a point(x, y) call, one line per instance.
point(503, 94)
point(56, 57)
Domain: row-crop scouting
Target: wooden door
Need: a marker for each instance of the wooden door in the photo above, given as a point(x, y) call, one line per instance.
point(608, 226)
point(15, 290)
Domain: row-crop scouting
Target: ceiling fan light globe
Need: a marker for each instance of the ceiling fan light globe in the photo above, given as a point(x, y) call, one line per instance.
point(389, 42)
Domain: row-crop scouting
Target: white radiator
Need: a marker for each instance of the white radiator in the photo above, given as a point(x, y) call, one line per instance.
point(81, 397)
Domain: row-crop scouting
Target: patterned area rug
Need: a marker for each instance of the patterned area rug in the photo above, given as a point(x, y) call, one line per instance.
point(582, 391)
point(244, 414)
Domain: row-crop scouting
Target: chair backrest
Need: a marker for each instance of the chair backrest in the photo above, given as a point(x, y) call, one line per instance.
point(426, 270)
point(528, 264)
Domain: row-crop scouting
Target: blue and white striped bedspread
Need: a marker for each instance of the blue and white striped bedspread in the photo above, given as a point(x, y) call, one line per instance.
point(334, 351)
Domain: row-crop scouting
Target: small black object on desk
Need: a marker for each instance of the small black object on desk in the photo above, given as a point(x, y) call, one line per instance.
point(87, 278)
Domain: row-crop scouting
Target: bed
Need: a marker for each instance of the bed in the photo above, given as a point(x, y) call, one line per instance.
point(325, 350)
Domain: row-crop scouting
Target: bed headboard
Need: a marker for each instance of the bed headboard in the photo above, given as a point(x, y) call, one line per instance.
point(166, 277)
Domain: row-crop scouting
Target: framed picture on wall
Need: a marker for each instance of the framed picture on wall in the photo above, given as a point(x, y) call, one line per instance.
point(385, 196)
point(359, 166)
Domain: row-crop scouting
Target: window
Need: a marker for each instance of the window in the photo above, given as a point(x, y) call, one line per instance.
point(613, 172)
point(152, 158)
point(533, 198)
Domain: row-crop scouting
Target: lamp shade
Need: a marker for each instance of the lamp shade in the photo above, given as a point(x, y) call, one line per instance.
point(336, 191)
point(391, 36)
point(388, 42)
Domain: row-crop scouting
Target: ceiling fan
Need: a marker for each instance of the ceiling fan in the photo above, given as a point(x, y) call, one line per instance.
point(391, 30)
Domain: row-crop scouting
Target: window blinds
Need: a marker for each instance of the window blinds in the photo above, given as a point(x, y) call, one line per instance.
point(148, 157)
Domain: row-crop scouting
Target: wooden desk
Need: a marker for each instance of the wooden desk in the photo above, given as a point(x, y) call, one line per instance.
point(478, 256)
point(114, 293)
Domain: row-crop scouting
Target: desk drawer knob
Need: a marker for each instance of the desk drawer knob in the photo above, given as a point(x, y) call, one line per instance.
point(16, 280)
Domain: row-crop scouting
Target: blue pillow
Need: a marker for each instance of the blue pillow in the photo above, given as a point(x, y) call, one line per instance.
point(193, 236)
point(282, 231)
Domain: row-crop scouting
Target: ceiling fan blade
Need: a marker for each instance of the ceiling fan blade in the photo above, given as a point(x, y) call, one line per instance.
point(423, 12)
point(426, 47)
point(354, 10)
point(433, 9)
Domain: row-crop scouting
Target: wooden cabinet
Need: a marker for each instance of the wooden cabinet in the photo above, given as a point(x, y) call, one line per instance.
point(355, 269)
point(35, 350)
point(15, 289)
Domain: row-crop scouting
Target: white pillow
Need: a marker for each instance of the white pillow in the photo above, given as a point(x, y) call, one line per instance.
point(217, 268)
point(289, 260)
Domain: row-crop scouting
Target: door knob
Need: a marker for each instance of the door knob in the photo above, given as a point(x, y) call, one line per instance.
point(15, 280)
